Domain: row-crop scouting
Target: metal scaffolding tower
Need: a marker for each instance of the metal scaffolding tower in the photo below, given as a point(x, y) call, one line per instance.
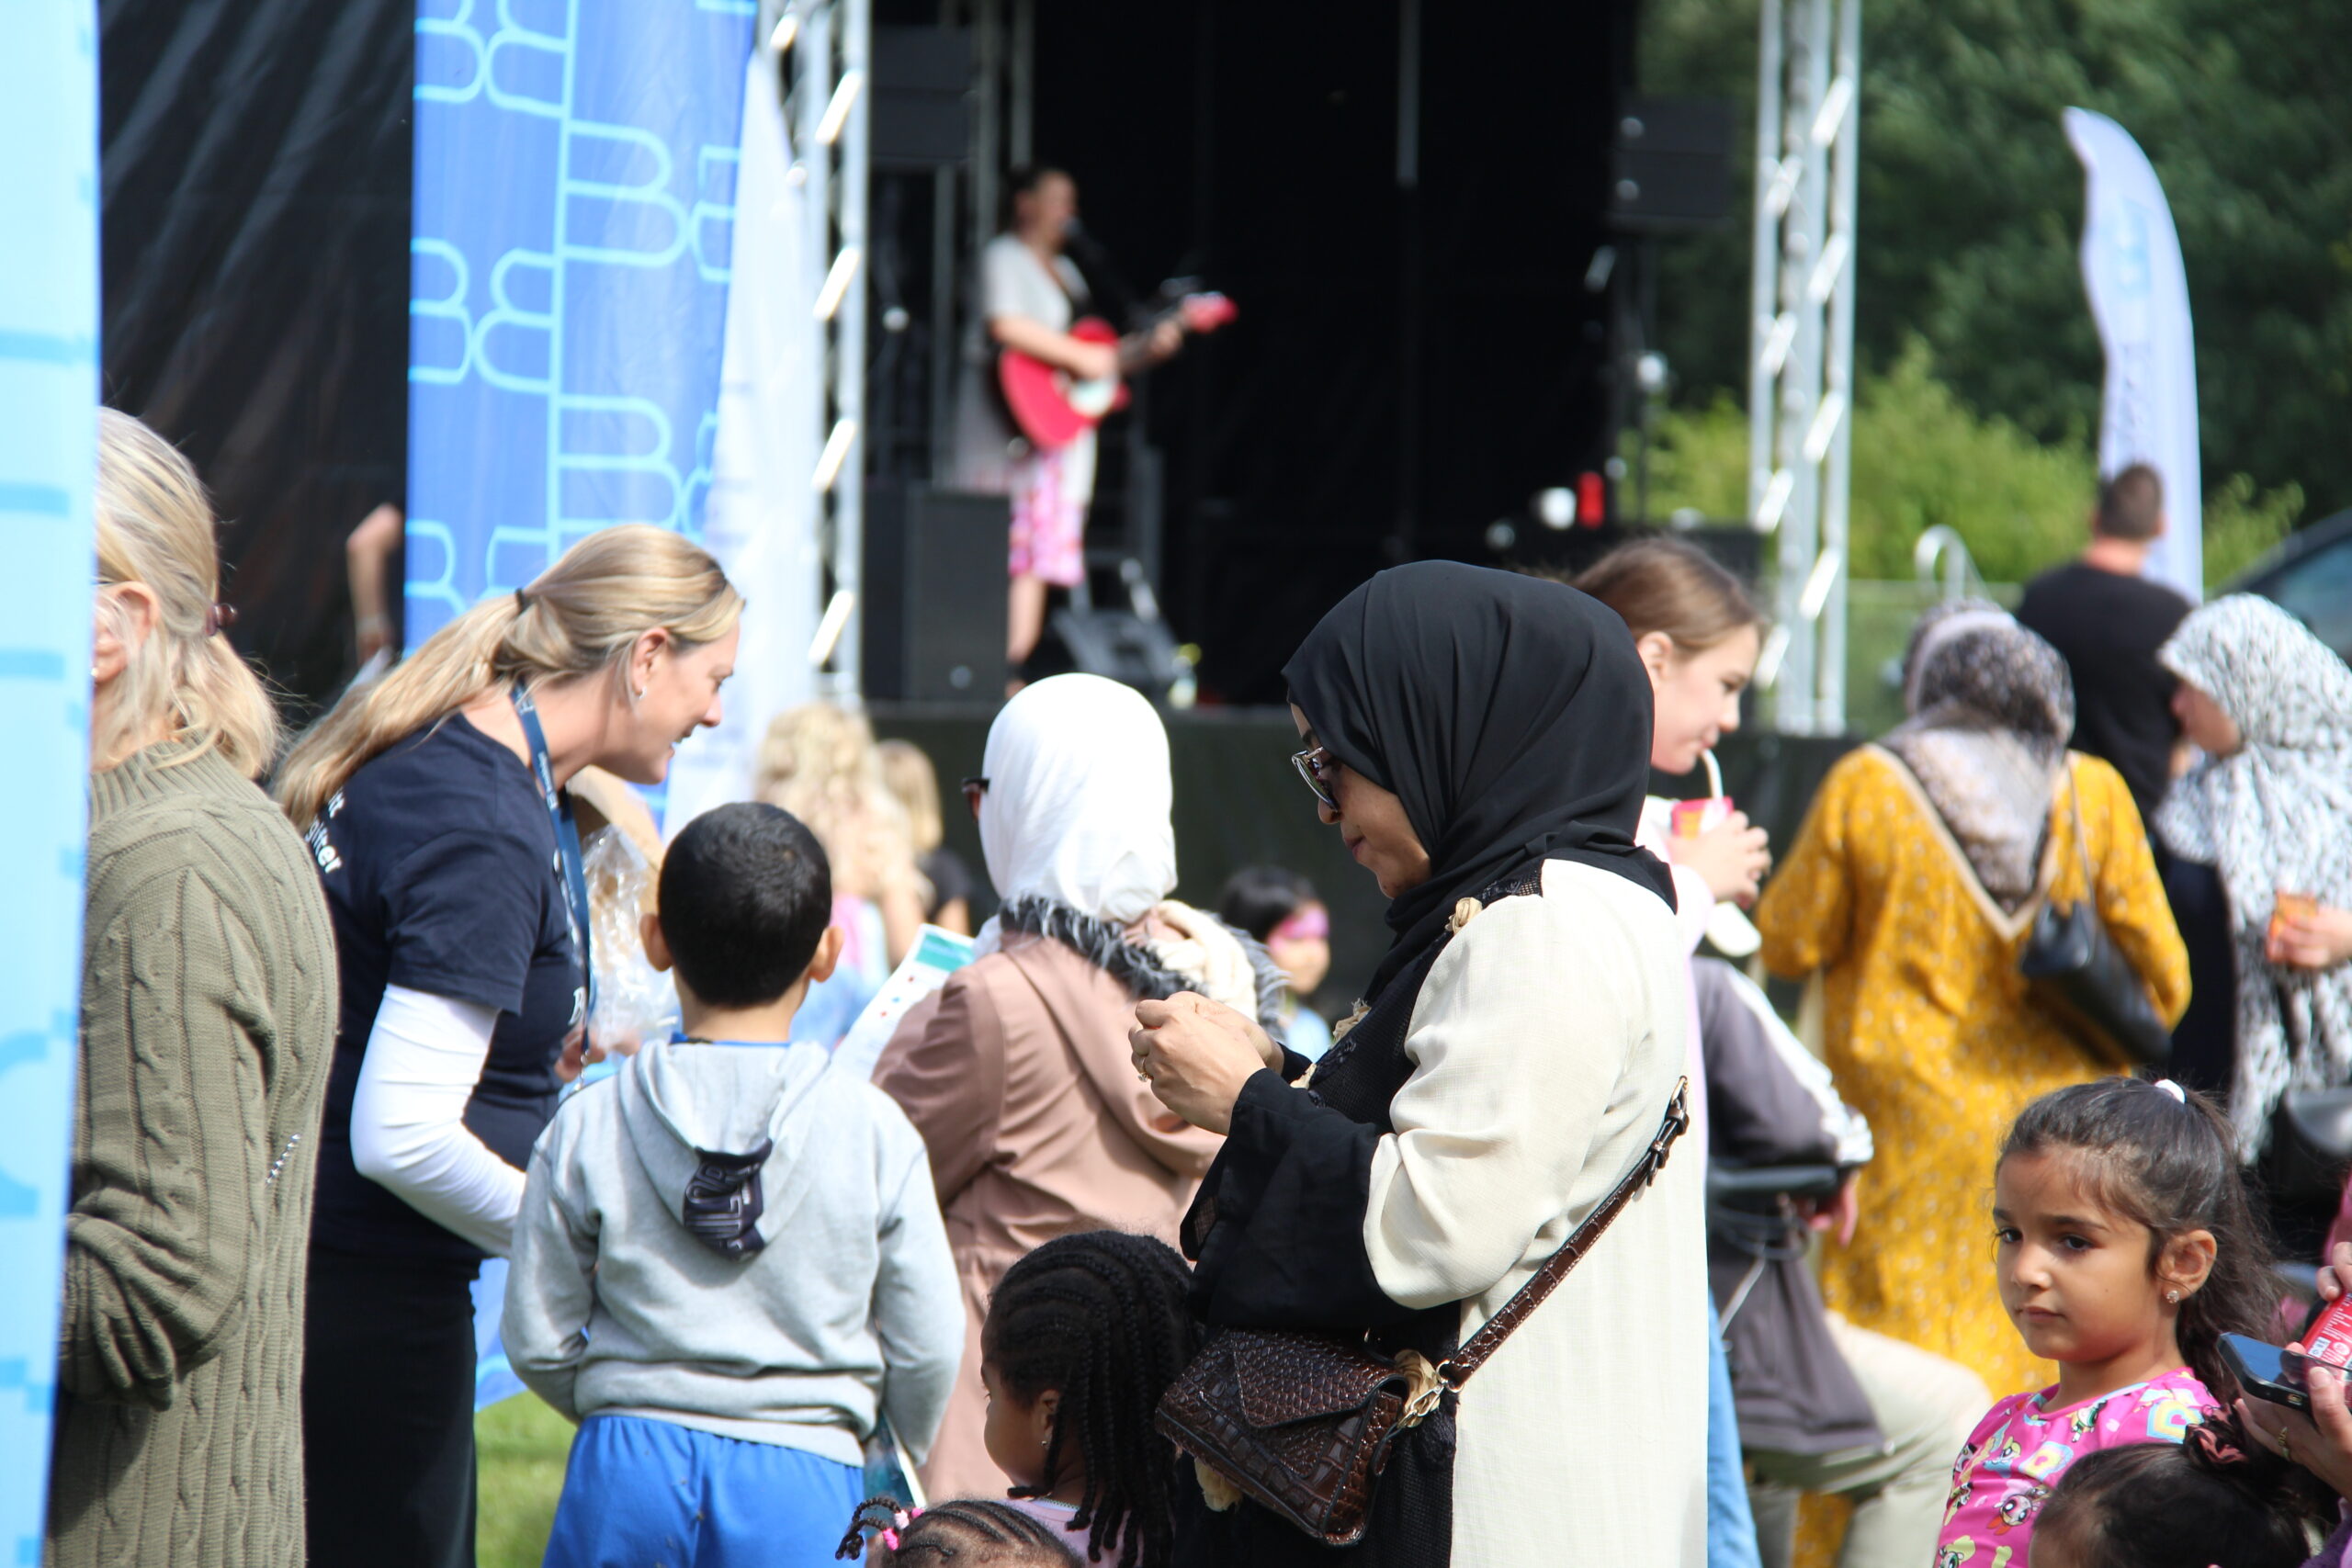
point(1801, 367)
point(831, 44)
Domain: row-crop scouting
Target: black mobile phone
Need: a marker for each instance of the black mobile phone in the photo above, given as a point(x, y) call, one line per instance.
point(2266, 1371)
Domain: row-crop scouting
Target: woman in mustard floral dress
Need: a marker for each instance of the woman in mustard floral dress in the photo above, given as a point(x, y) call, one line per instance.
point(1911, 888)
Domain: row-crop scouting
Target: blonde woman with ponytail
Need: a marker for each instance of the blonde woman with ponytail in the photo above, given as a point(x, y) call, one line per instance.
point(434, 802)
point(208, 1020)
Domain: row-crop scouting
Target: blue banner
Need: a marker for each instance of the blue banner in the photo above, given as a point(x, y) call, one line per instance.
point(573, 223)
point(49, 399)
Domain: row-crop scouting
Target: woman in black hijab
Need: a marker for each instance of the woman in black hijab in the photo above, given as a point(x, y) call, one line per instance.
point(1481, 741)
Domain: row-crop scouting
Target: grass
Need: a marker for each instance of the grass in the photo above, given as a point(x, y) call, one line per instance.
point(521, 1444)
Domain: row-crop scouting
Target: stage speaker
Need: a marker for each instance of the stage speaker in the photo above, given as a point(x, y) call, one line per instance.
point(934, 593)
point(922, 96)
point(1669, 168)
point(1120, 646)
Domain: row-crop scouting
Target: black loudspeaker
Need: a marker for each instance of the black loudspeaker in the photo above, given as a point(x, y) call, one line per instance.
point(1669, 167)
point(934, 593)
point(922, 96)
point(1121, 645)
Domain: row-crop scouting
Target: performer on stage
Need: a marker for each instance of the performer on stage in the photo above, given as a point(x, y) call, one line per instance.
point(1028, 293)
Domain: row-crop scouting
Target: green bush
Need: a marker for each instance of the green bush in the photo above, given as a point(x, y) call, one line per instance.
point(1921, 457)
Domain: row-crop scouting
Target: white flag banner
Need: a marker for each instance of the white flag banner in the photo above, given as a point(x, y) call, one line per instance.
point(761, 518)
point(2139, 296)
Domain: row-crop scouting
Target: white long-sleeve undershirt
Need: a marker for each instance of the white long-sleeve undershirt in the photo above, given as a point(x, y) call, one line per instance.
point(408, 1131)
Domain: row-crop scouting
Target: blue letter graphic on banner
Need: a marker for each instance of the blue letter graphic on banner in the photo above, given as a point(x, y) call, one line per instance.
point(573, 209)
point(49, 425)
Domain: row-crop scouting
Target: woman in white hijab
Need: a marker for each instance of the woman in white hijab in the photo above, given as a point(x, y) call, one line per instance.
point(1018, 1073)
point(2268, 807)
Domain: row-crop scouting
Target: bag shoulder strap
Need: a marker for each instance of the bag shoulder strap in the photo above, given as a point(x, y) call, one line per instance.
point(1488, 1339)
point(2082, 844)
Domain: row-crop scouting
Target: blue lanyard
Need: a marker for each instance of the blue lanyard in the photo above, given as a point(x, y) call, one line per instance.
point(680, 1037)
point(570, 870)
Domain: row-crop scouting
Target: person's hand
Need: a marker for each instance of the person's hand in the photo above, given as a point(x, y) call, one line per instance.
point(1841, 1214)
point(1165, 340)
point(1197, 1054)
point(1731, 856)
point(2320, 1442)
point(372, 633)
point(2321, 940)
point(577, 1054)
point(2336, 1275)
point(1093, 361)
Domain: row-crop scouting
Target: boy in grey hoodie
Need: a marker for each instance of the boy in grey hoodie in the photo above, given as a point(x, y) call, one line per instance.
point(729, 1258)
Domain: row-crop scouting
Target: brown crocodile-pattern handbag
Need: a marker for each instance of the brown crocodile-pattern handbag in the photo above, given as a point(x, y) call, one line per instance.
point(1302, 1423)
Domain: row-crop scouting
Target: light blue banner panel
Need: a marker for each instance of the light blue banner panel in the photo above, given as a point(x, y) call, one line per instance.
point(573, 223)
point(48, 392)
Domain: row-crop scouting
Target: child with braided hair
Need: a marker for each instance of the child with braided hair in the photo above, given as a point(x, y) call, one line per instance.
point(968, 1532)
point(1082, 1337)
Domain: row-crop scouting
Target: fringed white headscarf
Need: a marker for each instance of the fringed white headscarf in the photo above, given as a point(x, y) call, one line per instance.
point(2275, 814)
point(1078, 814)
point(1078, 799)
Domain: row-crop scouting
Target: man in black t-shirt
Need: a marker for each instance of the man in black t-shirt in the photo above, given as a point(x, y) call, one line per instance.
point(2108, 622)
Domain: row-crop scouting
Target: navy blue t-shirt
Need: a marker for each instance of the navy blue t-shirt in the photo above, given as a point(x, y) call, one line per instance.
point(441, 875)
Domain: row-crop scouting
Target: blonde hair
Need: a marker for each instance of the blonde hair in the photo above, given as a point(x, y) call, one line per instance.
point(915, 782)
point(155, 528)
point(819, 762)
point(582, 615)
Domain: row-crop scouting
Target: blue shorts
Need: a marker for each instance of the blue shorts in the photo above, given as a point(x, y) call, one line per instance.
point(646, 1493)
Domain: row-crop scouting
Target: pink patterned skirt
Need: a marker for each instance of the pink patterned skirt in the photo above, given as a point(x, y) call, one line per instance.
point(1050, 490)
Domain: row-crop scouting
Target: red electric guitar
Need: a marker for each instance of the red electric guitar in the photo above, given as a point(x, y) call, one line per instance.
point(1053, 407)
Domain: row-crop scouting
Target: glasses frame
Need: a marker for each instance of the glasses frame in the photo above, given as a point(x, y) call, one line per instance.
point(972, 787)
point(1307, 772)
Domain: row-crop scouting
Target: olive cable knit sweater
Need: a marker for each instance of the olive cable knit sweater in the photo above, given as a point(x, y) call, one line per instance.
point(207, 1023)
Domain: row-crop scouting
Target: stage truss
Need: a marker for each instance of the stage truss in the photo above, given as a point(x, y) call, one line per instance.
point(1801, 367)
point(829, 104)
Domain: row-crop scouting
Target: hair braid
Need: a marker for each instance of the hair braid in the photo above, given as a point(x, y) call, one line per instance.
point(1103, 1320)
point(988, 1531)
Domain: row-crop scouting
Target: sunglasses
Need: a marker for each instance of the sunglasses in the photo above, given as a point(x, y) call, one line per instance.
point(1319, 768)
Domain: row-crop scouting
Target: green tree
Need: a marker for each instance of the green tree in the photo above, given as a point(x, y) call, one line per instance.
point(1922, 458)
point(1971, 210)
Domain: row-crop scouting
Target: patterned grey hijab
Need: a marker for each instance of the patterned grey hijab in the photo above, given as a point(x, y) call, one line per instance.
point(2275, 814)
point(1991, 708)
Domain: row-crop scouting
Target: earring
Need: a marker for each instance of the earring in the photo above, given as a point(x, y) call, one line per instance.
point(2173, 1296)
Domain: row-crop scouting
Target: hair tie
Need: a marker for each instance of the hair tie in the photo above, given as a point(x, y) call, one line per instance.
point(219, 619)
point(522, 601)
point(2206, 1435)
point(898, 1521)
point(2173, 1089)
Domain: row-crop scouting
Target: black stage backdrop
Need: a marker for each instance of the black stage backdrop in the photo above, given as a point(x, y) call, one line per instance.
point(256, 165)
point(1412, 361)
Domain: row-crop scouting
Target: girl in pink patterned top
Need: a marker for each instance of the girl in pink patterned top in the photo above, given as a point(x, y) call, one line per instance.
point(2126, 1248)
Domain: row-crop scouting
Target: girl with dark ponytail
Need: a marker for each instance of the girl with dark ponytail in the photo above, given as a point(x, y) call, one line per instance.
point(2126, 1248)
point(2219, 1498)
point(1082, 1337)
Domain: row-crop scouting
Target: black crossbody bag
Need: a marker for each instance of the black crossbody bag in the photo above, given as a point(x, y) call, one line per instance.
point(2077, 972)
